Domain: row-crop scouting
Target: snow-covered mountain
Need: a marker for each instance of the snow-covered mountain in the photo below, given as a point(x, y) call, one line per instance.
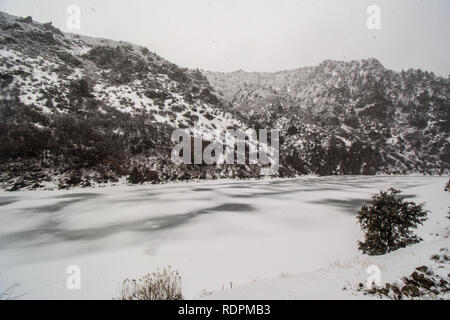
point(91, 110)
point(79, 110)
point(348, 117)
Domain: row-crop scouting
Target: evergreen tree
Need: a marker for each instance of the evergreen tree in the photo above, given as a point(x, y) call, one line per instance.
point(136, 176)
point(388, 221)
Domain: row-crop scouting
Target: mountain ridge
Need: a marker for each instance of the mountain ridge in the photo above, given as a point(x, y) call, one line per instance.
point(77, 110)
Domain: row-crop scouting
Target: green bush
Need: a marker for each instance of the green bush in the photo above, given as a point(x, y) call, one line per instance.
point(388, 222)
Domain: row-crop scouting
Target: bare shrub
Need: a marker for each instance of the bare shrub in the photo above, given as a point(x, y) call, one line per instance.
point(163, 284)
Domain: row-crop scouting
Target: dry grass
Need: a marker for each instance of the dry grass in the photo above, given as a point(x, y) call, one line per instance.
point(7, 294)
point(163, 284)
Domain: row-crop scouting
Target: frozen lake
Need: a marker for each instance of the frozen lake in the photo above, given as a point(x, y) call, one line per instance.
point(217, 233)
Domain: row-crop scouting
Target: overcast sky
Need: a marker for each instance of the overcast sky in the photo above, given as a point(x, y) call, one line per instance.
point(263, 35)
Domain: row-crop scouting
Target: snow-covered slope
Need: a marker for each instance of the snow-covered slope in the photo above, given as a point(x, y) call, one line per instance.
point(76, 110)
point(89, 110)
point(53, 71)
point(346, 278)
point(349, 117)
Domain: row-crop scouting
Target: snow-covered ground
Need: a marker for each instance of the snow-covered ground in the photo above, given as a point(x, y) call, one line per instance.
point(266, 239)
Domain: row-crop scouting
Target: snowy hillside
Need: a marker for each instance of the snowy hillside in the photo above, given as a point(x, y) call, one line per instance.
point(356, 117)
point(76, 110)
point(86, 110)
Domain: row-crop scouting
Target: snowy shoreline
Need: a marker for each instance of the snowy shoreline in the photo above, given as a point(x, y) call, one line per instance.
point(52, 186)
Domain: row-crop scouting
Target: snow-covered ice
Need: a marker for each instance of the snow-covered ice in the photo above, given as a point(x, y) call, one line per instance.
point(267, 239)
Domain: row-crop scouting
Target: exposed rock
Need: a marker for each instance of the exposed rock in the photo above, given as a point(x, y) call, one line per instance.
point(421, 283)
point(410, 290)
point(422, 280)
point(423, 269)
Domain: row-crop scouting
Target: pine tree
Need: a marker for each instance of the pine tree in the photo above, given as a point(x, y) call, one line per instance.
point(388, 221)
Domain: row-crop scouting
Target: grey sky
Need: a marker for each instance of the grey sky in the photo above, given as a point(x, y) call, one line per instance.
point(263, 35)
